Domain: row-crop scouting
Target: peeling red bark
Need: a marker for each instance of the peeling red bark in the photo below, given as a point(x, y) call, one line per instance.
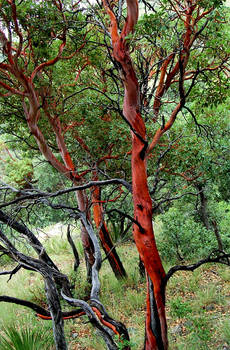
point(156, 332)
point(146, 244)
point(144, 238)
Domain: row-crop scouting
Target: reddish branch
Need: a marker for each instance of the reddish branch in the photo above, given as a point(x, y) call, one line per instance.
point(104, 235)
point(35, 99)
point(77, 313)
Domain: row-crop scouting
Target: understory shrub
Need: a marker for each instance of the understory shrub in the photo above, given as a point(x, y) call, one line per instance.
point(182, 238)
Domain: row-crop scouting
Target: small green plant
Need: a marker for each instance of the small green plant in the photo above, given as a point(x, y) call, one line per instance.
point(26, 339)
point(5, 260)
point(123, 343)
point(179, 308)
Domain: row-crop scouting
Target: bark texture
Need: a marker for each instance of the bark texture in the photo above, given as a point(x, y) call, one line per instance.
point(156, 328)
point(105, 238)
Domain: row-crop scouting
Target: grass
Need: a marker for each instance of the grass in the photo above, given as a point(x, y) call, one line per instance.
point(225, 326)
point(197, 302)
point(15, 338)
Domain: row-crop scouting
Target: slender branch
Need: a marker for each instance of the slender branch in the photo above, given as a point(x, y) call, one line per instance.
point(92, 319)
point(31, 195)
point(74, 249)
point(215, 257)
point(128, 217)
point(173, 199)
point(12, 272)
point(37, 308)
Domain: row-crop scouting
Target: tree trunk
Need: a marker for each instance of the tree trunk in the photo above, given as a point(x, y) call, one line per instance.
point(86, 241)
point(56, 314)
point(205, 217)
point(217, 234)
point(156, 326)
point(105, 237)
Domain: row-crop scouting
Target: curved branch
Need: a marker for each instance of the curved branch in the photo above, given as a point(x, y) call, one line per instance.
point(37, 308)
point(215, 257)
point(48, 63)
point(92, 319)
point(128, 217)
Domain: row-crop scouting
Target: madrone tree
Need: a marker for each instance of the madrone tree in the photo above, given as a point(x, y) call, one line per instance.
point(157, 62)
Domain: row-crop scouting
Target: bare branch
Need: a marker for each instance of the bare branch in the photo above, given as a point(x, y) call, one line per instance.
point(74, 249)
point(38, 194)
point(216, 256)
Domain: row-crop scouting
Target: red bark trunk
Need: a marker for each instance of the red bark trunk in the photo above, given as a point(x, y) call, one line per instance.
point(105, 238)
point(156, 327)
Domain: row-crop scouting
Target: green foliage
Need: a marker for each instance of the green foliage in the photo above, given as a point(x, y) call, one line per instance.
point(5, 260)
point(19, 172)
point(221, 213)
point(26, 339)
point(123, 343)
point(200, 332)
point(182, 237)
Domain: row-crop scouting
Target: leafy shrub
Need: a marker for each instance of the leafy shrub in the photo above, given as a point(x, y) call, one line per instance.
point(221, 213)
point(182, 237)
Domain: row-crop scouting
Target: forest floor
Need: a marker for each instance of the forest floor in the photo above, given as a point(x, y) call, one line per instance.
point(198, 303)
